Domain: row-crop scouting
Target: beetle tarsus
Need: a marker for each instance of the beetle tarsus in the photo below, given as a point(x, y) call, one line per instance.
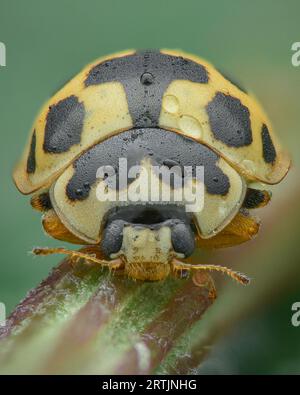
point(113, 264)
point(239, 277)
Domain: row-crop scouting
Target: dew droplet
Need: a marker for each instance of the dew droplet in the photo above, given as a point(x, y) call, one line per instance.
point(147, 79)
point(190, 126)
point(170, 104)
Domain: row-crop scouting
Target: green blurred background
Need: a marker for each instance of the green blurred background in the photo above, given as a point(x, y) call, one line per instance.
point(48, 42)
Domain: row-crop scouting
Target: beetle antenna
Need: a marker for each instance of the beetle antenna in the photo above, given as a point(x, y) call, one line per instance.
point(113, 264)
point(239, 277)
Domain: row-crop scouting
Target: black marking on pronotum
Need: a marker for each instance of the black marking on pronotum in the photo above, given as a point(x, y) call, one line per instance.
point(269, 151)
point(31, 162)
point(136, 144)
point(64, 125)
point(229, 120)
point(145, 76)
point(233, 81)
point(254, 198)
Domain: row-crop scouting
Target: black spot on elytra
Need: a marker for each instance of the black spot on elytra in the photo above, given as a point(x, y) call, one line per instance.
point(145, 76)
point(229, 120)
point(159, 145)
point(31, 162)
point(269, 151)
point(64, 125)
point(254, 198)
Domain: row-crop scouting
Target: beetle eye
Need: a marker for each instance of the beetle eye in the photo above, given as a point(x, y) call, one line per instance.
point(112, 238)
point(183, 239)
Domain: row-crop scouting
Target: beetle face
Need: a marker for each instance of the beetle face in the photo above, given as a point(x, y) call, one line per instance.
point(147, 238)
point(148, 219)
point(146, 251)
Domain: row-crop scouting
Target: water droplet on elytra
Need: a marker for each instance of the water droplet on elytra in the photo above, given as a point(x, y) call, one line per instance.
point(147, 78)
point(170, 104)
point(190, 126)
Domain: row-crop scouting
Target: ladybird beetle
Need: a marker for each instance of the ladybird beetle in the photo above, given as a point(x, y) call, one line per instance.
point(165, 107)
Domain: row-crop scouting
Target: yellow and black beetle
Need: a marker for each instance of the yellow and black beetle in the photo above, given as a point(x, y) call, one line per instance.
point(149, 106)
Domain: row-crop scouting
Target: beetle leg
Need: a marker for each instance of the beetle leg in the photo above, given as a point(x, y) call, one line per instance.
point(180, 273)
point(113, 264)
point(239, 277)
